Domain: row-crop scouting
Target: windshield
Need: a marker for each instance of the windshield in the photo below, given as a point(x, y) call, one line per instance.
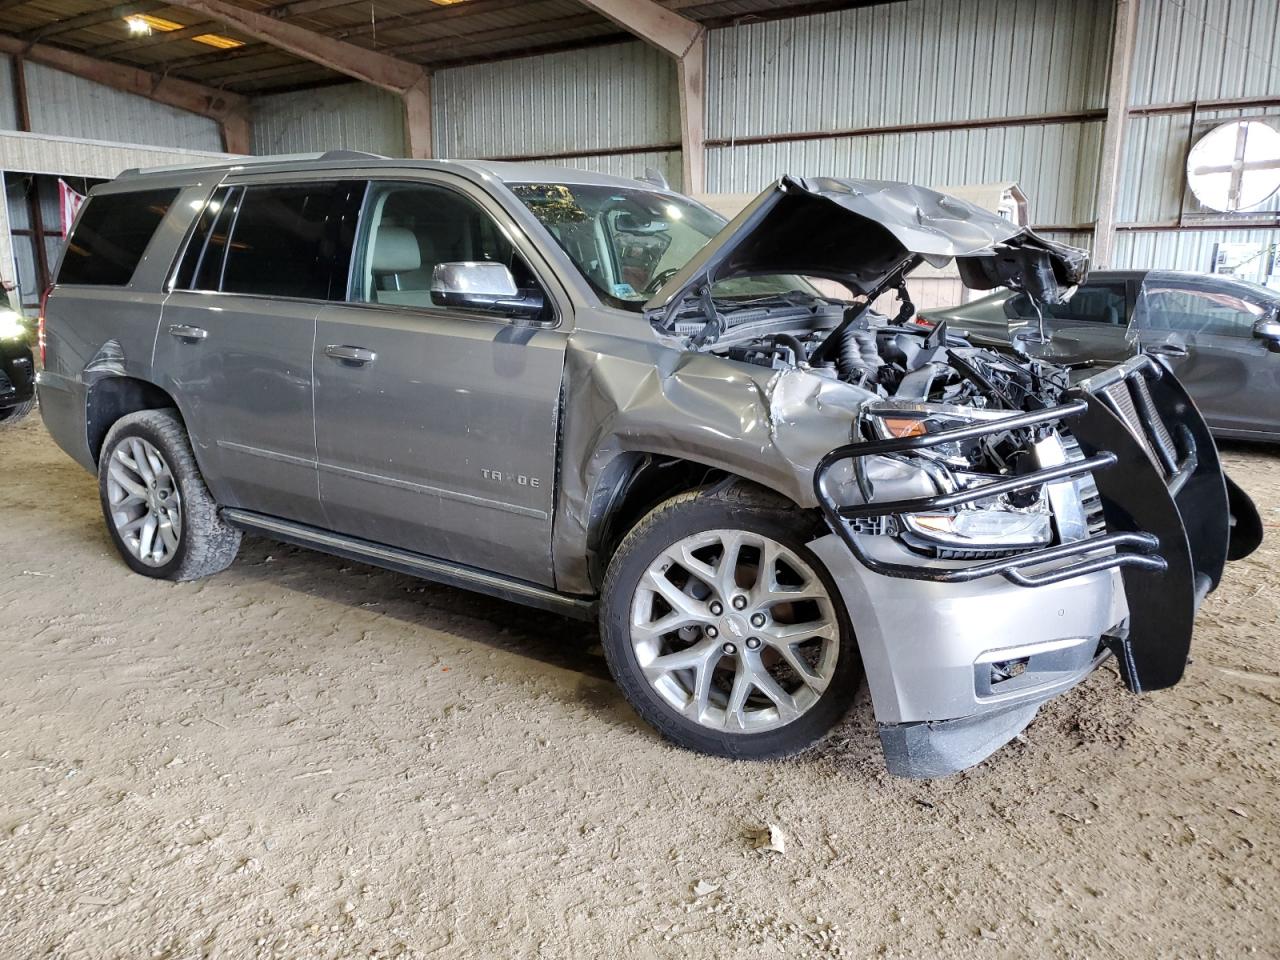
point(629, 242)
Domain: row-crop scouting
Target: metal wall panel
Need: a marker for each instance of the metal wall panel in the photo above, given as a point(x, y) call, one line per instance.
point(1055, 164)
point(1206, 50)
point(666, 162)
point(352, 116)
point(8, 103)
point(620, 95)
point(923, 61)
point(64, 156)
point(1179, 250)
point(69, 106)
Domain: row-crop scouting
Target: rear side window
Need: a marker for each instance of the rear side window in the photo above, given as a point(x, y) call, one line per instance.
point(287, 240)
point(111, 236)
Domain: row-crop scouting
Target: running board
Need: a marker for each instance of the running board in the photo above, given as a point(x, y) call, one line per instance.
point(414, 564)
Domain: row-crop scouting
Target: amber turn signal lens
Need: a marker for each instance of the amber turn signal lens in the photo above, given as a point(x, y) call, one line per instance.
point(904, 426)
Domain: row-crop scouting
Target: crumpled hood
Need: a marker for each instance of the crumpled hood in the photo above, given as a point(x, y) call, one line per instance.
point(862, 233)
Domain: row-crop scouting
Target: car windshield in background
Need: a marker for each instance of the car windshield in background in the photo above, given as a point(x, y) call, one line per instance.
point(629, 242)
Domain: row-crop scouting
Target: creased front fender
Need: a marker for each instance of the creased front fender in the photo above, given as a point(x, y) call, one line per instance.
point(626, 396)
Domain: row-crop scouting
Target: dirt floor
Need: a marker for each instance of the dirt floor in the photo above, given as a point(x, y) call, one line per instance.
point(302, 757)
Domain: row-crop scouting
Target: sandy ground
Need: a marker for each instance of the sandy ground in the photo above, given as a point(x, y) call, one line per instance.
point(302, 757)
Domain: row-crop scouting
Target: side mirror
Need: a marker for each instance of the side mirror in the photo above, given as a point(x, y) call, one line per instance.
point(483, 285)
point(1268, 329)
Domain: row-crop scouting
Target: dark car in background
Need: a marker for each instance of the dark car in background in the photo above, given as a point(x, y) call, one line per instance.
point(1220, 335)
point(17, 369)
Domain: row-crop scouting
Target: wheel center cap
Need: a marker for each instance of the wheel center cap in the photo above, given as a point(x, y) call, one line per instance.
point(735, 626)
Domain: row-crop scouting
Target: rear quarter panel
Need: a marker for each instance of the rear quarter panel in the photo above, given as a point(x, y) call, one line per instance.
point(95, 332)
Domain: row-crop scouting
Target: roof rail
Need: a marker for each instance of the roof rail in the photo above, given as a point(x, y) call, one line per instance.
point(351, 155)
point(251, 162)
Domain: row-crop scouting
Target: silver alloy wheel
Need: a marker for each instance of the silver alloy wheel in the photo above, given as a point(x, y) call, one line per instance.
point(145, 504)
point(735, 631)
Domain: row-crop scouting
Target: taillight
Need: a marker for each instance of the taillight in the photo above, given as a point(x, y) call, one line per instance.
point(40, 339)
point(920, 321)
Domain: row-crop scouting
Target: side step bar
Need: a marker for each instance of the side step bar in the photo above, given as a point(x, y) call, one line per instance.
point(415, 564)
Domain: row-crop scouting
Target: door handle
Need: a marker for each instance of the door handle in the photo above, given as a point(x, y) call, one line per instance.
point(184, 332)
point(356, 356)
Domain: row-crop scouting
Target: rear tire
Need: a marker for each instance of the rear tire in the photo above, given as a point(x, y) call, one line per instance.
point(755, 659)
point(159, 512)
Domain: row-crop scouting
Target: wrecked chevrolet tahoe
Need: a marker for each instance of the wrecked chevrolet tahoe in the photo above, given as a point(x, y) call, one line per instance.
point(591, 395)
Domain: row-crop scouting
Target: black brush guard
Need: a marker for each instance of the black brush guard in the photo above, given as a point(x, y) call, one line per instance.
point(1173, 518)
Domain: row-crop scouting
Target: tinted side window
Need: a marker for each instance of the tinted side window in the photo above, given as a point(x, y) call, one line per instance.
point(287, 240)
point(1095, 303)
point(112, 235)
point(201, 267)
point(1193, 312)
point(1091, 303)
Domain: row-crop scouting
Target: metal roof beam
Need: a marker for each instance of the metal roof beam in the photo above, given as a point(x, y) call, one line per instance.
point(686, 40)
point(409, 80)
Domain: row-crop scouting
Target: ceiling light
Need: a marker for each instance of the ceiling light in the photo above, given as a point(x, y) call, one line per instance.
point(144, 24)
point(218, 40)
point(446, 3)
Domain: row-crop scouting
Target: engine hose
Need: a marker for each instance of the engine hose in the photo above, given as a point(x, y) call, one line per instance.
point(792, 343)
point(858, 354)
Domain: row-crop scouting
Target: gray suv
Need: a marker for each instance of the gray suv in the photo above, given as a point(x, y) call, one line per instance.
point(591, 395)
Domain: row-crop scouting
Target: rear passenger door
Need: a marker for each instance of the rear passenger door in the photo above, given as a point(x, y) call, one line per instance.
point(237, 331)
point(436, 426)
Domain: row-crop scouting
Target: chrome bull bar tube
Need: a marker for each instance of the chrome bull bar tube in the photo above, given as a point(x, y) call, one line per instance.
point(1173, 518)
point(1126, 549)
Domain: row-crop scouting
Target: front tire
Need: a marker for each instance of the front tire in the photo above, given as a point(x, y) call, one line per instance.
point(724, 631)
point(159, 512)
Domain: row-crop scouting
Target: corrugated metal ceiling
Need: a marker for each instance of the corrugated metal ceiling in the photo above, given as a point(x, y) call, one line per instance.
point(431, 33)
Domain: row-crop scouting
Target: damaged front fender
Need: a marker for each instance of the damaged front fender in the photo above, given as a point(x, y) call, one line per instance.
point(624, 397)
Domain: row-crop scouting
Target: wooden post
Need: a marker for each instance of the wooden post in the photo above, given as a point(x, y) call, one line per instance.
point(1111, 166)
point(685, 40)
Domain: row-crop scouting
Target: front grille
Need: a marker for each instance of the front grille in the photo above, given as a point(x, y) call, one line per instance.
point(1086, 489)
point(1162, 432)
point(1120, 397)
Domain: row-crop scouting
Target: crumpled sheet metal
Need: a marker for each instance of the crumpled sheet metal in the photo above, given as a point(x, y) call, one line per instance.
point(624, 397)
point(935, 225)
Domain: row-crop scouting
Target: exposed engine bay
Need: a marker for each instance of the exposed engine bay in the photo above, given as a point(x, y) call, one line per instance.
point(921, 381)
point(904, 363)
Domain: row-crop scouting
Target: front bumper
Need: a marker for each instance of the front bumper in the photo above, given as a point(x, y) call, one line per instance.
point(960, 656)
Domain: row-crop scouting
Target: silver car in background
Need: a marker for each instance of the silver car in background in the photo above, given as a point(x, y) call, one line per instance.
point(590, 394)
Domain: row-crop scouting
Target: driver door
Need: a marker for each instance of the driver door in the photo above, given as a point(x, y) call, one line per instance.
point(436, 426)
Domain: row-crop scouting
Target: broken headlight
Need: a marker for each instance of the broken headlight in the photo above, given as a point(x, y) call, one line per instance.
point(996, 525)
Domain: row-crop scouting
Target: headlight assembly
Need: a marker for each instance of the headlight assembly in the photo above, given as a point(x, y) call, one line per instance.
point(996, 525)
